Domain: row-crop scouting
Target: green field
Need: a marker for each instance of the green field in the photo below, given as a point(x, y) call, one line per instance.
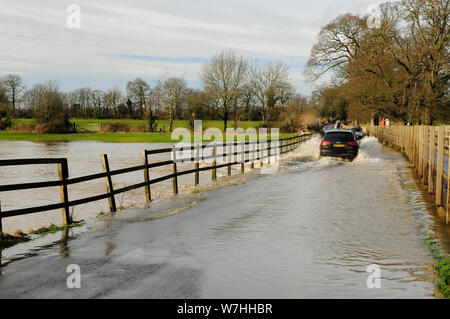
point(89, 130)
point(94, 125)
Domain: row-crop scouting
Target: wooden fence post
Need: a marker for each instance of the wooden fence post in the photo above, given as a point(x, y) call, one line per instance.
point(406, 137)
point(63, 172)
point(214, 164)
point(148, 196)
point(260, 153)
point(197, 165)
point(411, 144)
point(426, 148)
point(414, 148)
point(440, 166)
point(109, 184)
point(174, 172)
point(230, 158)
point(1, 224)
point(420, 159)
point(252, 152)
point(418, 154)
point(447, 214)
point(431, 161)
point(243, 158)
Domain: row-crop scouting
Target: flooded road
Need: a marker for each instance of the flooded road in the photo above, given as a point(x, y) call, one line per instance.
point(309, 231)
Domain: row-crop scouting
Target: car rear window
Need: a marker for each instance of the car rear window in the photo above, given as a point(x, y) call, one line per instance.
point(339, 137)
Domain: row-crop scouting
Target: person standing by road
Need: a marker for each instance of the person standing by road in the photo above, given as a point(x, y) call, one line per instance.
point(388, 123)
point(383, 123)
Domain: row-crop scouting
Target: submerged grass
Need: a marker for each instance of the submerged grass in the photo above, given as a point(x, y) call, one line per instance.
point(45, 230)
point(8, 240)
point(442, 268)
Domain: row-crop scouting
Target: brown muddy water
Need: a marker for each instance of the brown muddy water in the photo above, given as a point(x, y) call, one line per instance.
point(84, 158)
point(308, 231)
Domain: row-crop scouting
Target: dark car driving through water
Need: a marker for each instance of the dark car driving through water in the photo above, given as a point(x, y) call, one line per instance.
point(357, 130)
point(339, 143)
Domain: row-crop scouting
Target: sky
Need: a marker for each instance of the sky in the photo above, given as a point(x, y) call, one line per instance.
point(120, 40)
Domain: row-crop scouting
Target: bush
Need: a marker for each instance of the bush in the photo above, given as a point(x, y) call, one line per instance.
point(140, 128)
point(51, 112)
point(151, 120)
point(293, 122)
point(115, 127)
point(25, 127)
point(5, 116)
point(52, 127)
point(5, 124)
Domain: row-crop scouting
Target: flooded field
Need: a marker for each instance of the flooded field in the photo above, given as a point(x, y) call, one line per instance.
point(308, 231)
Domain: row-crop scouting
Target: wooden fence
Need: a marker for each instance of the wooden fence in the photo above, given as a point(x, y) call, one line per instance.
point(250, 152)
point(426, 148)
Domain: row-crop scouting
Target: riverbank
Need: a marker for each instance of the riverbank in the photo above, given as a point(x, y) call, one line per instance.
point(95, 125)
point(129, 137)
point(91, 130)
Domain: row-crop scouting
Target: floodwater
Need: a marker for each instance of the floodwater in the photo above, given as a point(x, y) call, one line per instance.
point(308, 231)
point(84, 158)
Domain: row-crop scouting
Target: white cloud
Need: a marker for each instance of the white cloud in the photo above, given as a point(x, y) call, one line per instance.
point(35, 41)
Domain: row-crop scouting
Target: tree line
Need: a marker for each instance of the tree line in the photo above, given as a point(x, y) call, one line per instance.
point(397, 69)
point(233, 90)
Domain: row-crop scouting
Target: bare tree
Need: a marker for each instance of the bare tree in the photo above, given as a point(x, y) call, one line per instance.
point(112, 99)
point(97, 97)
point(49, 108)
point(156, 98)
point(224, 77)
point(14, 86)
point(80, 101)
point(173, 97)
point(138, 91)
point(337, 46)
point(270, 86)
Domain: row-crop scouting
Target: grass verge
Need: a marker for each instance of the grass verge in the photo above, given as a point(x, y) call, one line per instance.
point(442, 268)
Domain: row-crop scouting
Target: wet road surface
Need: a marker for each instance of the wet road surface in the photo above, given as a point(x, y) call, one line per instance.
point(309, 231)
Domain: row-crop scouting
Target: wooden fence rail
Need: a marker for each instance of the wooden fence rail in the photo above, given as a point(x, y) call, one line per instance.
point(251, 152)
point(426, 147)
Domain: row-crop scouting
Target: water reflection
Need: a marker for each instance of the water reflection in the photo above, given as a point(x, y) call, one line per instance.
point(63, 244)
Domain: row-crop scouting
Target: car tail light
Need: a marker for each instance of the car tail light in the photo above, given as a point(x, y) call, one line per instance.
point(352, 143)
point(325, 143)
